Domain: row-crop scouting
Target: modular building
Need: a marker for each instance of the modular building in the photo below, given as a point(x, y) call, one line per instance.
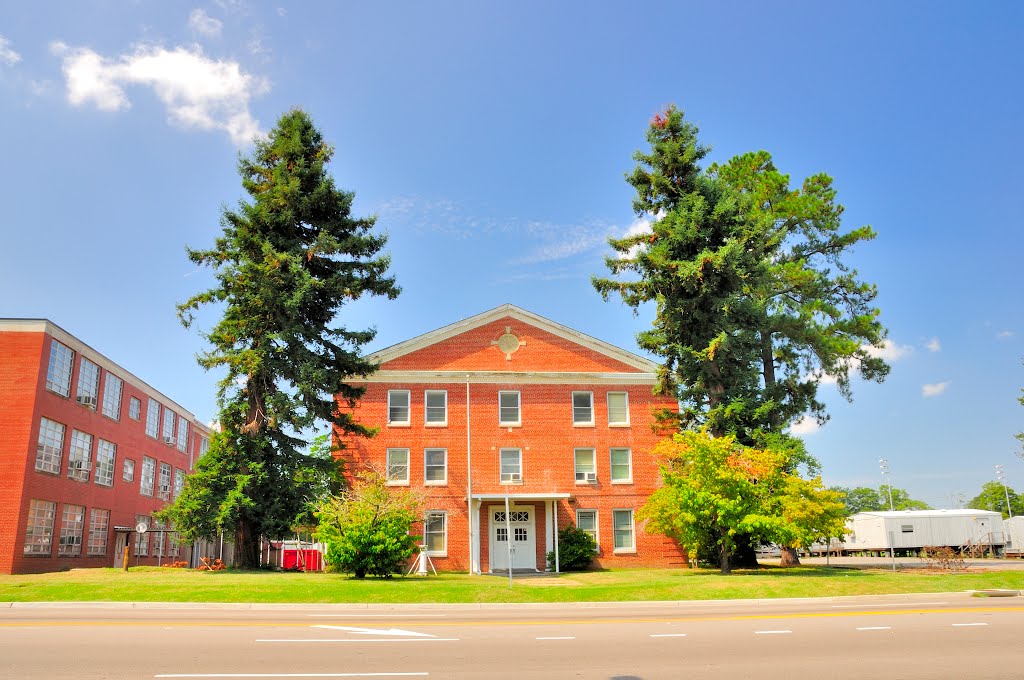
point(1014, 536)
point(916, 529)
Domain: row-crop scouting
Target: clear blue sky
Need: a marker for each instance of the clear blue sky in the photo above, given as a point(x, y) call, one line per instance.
point(492, 138)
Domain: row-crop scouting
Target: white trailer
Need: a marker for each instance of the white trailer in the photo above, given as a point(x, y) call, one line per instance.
point(1014, 536)
point(914, 529)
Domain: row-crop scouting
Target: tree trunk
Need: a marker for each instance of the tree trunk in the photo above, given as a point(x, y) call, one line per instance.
point(790, 557)
point(246, 546)
point(724, 563)
point(744, 556)
point(768, 371)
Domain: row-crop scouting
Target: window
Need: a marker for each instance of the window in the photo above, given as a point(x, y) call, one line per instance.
point(148, 476)
point(39, 533)
point(435, 466)
point(128, 472)
point(182, 434)
point(618, 408)
point(398, 466)
point(58, 370)
point(586, 466)
point(112, 388)
point(622, 466)
point(435, 533)
point(134, 408)
point(173, 542)
point(153, 418)
point(50, 448)
point(508, 408)
point(582, 408)
point(142, 539)
point(436, 407)
point(622, 528)
point(398, 407)
point(168, 432)
point(88, 383)
point(163, 489)
point(204, 446)
point(511, 465)
point(586, 520)
point(71, 527)
point(906, 528)
point(99, 526)
point(179, 482)
point(80, 456)
point(158, 538)
point(105, 453)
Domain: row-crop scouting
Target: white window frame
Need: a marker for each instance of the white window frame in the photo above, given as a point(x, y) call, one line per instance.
point(629, 465)
point(519, 409)
point(72, 530)
point(106, 457)
point(584, 476)
point(204, 445)
point(396, 480)
point(128, 470)
point(50, 446)
point(394, 422)
point(134, 408)
point(59, 368)
point(179, 482)
point(611, 423)
point(596, 533)
point(99, 531)
point(141, 548)
point(168, 429)
point(510, 477)
point(443, 422)
point(182, 435)
point(147, 479)
point(427, 466)
point(443, 516)
point(583, 423)
point(624, 550)
point(152, 418)
point(39, 532)
point(113, 387)
point(88, 391)
point(80, 455)
point(163, 484)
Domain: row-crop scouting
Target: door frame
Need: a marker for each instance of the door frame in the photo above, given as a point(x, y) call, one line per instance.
point(526, 561)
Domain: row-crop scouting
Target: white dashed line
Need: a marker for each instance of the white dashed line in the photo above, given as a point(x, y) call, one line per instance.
point(567, 637)
point(961, 625)
point(875, 628)
point(376, 616)
point(291, 675)
point(772, 632)
point(362, 641)
point(670, 635)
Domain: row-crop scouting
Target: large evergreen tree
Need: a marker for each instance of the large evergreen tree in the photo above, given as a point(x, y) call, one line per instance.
point(287, 261)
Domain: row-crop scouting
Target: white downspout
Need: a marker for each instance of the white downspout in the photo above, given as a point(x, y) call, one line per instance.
point(469, 482)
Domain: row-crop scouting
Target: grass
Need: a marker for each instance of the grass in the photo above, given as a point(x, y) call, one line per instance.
point(155, 584)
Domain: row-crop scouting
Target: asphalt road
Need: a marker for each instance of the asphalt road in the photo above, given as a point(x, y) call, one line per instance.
point(932, 636)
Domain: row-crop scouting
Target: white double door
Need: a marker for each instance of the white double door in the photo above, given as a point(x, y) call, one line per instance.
point(515, 536)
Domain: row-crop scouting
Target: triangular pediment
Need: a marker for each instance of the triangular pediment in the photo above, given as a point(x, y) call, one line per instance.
point(509, 338)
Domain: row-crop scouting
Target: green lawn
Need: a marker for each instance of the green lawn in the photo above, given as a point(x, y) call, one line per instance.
point(154, 584)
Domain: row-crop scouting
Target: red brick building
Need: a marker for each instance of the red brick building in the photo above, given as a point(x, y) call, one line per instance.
point(87, 452)
point(508, 407)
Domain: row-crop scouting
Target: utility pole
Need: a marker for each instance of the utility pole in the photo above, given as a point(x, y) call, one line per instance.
point(1001, 476)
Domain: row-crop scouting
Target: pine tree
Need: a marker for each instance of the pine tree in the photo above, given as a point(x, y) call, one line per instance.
point(286, 263)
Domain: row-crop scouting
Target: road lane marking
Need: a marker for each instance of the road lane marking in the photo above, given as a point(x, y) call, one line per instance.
point(961, 625)
point(394, 632)
point(669, 635)
point(772, 632)
point(875, 628)
point(366, 641)
point(291, 675)
point(898, 604)
point(564, 637)
point(378, 616)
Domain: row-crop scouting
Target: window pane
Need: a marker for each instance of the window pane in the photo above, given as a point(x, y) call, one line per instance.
point(398, 406)
point(39, 532)
point(437, 406)
point(88, 383)
point(152, 418)
point(112, 396)
point(508, 403)
point(58, 369)
point(71, 527)
point(586, 470)
point(142, 540)
point(168, 432)
point(99, 525)
point(398, 465)
point(80, 456)
point(105, 454)
point(621, 468)
point(618, 410)
point(434, 532)
point(511, 465)
point(435, 465)
point(582, 407)
point(134, 408)
point(148, 476)
point(164, 486)
point(50, 447)
point(622, 523)
point(128, 474)
point(586, 520)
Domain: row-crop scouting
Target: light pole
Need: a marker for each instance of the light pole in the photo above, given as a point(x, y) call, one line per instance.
point(1001, 476)
point(883, 465)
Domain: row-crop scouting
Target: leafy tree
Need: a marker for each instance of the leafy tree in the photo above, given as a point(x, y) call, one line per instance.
point(716, 490)
point(867, 499)
point(993, 497)
point(367, 527)
point(576, 549)
point(1020, 435)
point(285, 264)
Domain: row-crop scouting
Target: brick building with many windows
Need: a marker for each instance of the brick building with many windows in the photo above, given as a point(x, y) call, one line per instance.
point(514, 426)
point(88, 451)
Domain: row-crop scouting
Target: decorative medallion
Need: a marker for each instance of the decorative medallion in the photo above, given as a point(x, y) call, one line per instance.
point(508, 343)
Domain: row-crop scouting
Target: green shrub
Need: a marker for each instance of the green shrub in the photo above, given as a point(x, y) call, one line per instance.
point(576, 550)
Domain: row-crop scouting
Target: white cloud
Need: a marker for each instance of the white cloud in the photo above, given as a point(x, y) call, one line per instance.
point(202, 23)
point(8, 57)
point(889, 350)
point(933, 345)
point(198, 92)
point(805, 425)
point(281, 11)
point(571, 241)
point(934, 389)
point(1002, 335)
point(641, 225)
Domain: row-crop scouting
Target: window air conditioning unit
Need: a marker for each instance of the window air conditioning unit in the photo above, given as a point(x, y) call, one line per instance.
point(169, 441)
point(87, 400)
point(591, 477)
point(516, 477)
point(164, 495)
point(82, 465)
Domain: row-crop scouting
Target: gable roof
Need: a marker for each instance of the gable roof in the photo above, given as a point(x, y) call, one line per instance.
point(505, 311)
